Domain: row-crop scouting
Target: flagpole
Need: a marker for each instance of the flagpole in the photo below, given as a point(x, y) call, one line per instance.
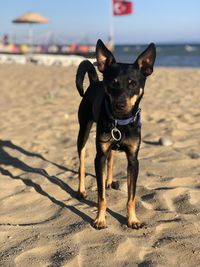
point(111, 27)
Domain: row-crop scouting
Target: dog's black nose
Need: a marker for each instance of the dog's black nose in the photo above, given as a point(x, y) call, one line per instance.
point(120, 105)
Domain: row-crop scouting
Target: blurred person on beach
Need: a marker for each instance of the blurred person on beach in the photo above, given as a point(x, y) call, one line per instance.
point(5, 40)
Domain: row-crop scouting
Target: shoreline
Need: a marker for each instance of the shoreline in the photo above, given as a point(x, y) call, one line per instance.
point(58, 60)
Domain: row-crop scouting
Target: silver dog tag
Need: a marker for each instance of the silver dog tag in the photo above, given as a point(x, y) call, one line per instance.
point(116, 134)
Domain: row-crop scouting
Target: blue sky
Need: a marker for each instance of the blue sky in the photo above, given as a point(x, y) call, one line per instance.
point(160, 21)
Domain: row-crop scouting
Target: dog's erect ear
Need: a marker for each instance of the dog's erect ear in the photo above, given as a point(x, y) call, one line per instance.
point(146, 60)
point(104, 56)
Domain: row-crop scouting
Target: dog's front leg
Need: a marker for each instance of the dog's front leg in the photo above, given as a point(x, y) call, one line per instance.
point(100, 160)
point(132, 174)
point(110, 161)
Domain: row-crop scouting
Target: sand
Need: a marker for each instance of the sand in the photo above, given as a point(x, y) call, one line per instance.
point(41, 221)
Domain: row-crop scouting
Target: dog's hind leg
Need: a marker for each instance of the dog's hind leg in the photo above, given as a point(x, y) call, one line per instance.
point(85, 123)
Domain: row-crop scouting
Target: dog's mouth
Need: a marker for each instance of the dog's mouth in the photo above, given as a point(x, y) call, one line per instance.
point(120, 107)
point(123, 108)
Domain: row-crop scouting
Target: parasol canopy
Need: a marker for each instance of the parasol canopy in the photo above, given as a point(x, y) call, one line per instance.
point(30, 17)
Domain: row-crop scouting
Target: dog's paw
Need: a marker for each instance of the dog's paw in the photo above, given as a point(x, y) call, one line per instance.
point(99, 224)
point(135, 224)
point(81, 195)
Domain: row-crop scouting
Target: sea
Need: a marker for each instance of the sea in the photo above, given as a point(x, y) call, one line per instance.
point(173, 55)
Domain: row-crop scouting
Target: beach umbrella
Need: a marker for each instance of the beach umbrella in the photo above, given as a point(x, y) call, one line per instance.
point(30, 18)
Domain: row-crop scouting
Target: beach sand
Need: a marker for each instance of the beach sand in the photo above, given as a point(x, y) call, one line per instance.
point(41, 221)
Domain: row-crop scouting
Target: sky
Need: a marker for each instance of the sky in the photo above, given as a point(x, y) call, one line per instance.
point(159, 21)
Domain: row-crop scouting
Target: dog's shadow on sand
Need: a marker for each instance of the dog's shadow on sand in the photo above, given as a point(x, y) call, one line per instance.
point(7, 160)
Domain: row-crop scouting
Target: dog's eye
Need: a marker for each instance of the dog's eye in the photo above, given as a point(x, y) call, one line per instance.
point(115, 82)
point(132, 82)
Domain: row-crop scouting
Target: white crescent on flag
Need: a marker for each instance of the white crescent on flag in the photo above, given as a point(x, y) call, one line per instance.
point(119, 8)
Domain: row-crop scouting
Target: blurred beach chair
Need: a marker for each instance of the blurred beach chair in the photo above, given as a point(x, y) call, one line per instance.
point(24, 48)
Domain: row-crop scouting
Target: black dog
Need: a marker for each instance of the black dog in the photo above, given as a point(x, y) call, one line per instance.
point(114, 105)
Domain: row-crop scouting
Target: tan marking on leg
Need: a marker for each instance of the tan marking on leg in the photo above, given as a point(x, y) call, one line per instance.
point(133, 144)
point(81, 188)
point(133, 221)
point(100, 221)
point(110, 169)
point(105, 146)
point(131, 212)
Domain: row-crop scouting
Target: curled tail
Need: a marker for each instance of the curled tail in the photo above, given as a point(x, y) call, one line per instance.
point(85, 67)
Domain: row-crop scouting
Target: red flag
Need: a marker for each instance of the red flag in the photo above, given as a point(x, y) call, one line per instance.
point(122, 7)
